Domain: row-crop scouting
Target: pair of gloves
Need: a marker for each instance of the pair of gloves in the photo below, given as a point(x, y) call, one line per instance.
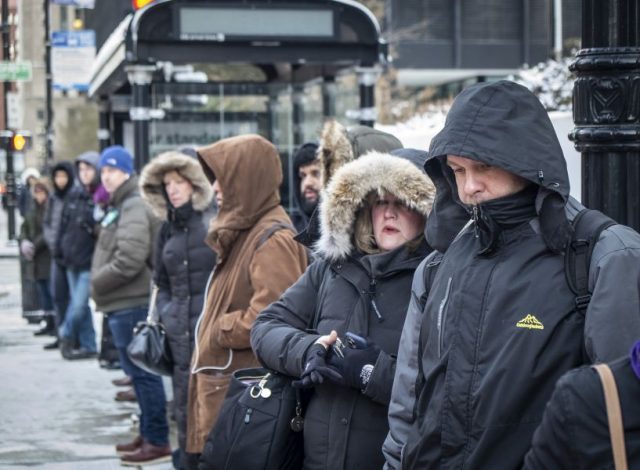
point(352, 370)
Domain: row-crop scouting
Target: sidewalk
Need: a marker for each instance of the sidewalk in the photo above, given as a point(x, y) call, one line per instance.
point(56, 414)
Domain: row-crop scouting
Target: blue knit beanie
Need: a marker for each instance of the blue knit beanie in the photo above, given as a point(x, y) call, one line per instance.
point(118, 157)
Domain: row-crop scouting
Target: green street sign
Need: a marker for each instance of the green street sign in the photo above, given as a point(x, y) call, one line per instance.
point(15, 71)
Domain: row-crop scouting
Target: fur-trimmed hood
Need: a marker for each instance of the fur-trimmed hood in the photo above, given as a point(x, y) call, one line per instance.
point(28, 172)
point(339, 145)
point(346, 193)
point(152, 187)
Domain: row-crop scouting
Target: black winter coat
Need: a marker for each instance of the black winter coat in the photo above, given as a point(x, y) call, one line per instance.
point(344, 428)
point(39, 268)
point(182, 267)
point(574, 432)
point(76, 238)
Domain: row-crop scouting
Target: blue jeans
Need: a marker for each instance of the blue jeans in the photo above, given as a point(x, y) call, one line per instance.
point(149, 389)
point(78, 322)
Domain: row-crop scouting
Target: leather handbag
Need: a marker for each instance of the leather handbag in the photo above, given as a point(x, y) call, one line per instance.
point(614, 416)
point(149, 348)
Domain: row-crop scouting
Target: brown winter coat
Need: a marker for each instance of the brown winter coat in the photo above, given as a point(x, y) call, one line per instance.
point(250, 274)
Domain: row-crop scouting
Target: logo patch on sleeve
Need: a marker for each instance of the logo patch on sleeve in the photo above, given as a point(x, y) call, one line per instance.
point(531, 323)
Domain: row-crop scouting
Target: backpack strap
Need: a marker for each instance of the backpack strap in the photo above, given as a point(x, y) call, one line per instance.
point(614, 416)
point(587, 227)
point(271, 230)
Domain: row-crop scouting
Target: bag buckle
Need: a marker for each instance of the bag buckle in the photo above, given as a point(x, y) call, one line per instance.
point(582, 301)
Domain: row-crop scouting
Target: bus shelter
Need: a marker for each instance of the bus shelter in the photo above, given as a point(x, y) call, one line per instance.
point(189, 72)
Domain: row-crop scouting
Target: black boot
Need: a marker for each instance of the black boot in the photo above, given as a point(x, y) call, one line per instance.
point(66, 347)
point(48, 328)
point(53, 345)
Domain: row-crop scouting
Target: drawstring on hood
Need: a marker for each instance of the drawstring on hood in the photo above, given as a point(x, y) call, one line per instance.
point(501, 124)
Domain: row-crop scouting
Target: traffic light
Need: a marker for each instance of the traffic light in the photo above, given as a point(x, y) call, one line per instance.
point(20, 141)
point(137, 4)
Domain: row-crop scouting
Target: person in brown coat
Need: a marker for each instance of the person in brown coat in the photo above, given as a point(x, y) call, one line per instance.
point(258, 260)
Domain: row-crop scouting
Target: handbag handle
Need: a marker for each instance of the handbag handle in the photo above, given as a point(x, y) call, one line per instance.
point(614, 415)
point(152, 313)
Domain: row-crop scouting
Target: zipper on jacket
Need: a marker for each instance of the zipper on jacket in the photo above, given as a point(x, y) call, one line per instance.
point(372, 293)
point(247, 416)
point(442, 316)
point(476, 231)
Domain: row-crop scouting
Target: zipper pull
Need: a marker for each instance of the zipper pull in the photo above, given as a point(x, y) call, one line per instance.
point(247, 417)
point(376, 311)
point(476, 230)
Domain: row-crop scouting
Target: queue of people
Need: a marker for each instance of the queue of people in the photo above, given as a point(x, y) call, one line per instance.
point(422, 297)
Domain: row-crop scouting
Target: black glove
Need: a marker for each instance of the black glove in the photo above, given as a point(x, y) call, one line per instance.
point(316, 369)
point(357, 364)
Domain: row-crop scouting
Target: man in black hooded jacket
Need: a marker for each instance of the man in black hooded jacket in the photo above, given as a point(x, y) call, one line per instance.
point(492, 323)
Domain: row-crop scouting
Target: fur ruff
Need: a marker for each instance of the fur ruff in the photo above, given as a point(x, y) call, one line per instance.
point(344, 196)
point(151, 185)
point(335, 149)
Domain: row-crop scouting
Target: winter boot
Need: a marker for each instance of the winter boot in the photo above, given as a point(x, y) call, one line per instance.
point(66, 347)
point(129, 447)
point(147, 454)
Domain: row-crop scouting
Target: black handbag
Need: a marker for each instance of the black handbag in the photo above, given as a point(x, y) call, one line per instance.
point(149, 348)
point(259, 425)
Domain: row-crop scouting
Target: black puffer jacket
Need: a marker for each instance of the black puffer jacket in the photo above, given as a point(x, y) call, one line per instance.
point(55, 206)
point(574, 432)
point(344, 428)
point(76, 237)
point(182, 265)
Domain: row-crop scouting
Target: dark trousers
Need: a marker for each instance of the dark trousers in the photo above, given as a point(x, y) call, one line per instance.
point(46, 302)
point(148, 387)
point(59, 292)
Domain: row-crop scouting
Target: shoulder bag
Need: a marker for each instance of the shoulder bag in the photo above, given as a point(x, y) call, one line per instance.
point(149, 348)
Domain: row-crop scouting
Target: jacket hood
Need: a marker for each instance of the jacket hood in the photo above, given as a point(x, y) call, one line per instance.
point(90, 158)
point(152, 187)
point(501, 124)
point(67, 167)
point(346, 193)
point(27, 173)
point(249, 171)
point(305, 155)
point(339, 145)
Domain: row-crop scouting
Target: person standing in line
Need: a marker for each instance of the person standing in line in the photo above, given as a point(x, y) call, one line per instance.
point(25, 197)
point(307, 179)
point(63, 178)
point(33, 246)
point(120, 282)
point(493, 323)
point(76, 240)
point(372, 220)
point(257, 260)
point(176, 189)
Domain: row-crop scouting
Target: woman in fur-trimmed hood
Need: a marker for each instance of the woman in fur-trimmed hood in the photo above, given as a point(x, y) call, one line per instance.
point(176, 189)
point(372, 217)
point(338, 146)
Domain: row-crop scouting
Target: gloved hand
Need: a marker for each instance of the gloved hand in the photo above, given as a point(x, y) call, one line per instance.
point(357, 364)
point(316, 369)
point(27, 249)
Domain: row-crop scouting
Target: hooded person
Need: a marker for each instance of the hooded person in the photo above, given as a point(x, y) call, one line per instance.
point(74, 248)
point(63, 179)
point(27, 178)
point(372, 217)
point(307, 182)
point(257, 261)
point(494, 324)
point(340, 145)
point(176, 189)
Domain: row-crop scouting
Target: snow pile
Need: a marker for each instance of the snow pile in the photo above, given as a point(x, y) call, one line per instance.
point(550, 81)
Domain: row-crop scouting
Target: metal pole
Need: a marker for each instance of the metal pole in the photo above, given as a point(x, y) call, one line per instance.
point(367, 83)
point(104, 132)
point(10, 178)
point(328, 97)
point(48, 116)
point(140, 77)
point(557, 29)
point(606, 108)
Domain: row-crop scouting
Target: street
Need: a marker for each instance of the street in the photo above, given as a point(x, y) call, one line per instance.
point(54, 414)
